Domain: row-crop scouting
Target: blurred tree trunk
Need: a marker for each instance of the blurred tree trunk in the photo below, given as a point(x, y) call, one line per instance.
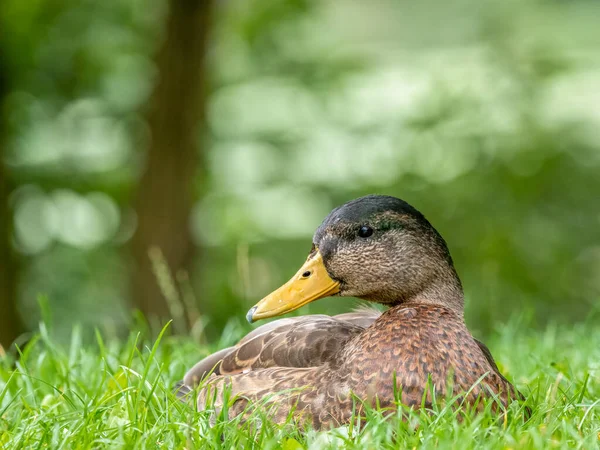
point(10, 323)
point(176, 115)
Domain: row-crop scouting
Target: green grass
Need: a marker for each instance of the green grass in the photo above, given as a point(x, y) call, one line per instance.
point(118, 395)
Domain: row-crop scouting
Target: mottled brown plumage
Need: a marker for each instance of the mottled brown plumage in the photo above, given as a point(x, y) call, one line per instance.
point(380, 249)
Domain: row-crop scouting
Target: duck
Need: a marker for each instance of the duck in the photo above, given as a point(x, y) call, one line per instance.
point(314, 368)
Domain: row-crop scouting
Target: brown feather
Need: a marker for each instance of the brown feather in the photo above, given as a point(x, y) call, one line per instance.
point(312, 366)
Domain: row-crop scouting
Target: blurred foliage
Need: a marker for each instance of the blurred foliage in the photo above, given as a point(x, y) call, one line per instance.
point(484, 115)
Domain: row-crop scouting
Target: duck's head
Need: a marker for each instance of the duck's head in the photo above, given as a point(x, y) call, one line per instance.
point(378, 248)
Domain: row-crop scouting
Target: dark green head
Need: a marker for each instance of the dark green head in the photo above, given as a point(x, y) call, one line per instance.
point(381, 249)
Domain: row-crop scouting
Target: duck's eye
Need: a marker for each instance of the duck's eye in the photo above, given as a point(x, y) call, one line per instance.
point(365, 231)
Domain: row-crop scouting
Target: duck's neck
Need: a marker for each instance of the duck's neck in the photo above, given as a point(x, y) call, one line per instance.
point(443, 291)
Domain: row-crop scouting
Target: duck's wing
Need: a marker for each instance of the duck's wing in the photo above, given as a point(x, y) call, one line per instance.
point(284, 387)
point(514, 391)
point(299, 342)
point(490, 358)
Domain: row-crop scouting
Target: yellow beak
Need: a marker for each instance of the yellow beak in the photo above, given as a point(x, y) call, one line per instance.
point(310, 283)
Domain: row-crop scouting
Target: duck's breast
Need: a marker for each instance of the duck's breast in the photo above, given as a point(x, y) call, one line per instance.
point(421, 347)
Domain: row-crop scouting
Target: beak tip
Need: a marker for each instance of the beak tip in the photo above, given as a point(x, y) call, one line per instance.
point(250, 314)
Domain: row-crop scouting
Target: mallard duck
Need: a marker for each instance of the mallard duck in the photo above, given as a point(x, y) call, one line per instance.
point(380, 249)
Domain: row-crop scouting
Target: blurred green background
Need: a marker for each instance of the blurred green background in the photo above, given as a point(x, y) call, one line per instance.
point(216, 135)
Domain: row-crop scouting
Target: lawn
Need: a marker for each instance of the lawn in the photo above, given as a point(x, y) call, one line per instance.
point(117, 394)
